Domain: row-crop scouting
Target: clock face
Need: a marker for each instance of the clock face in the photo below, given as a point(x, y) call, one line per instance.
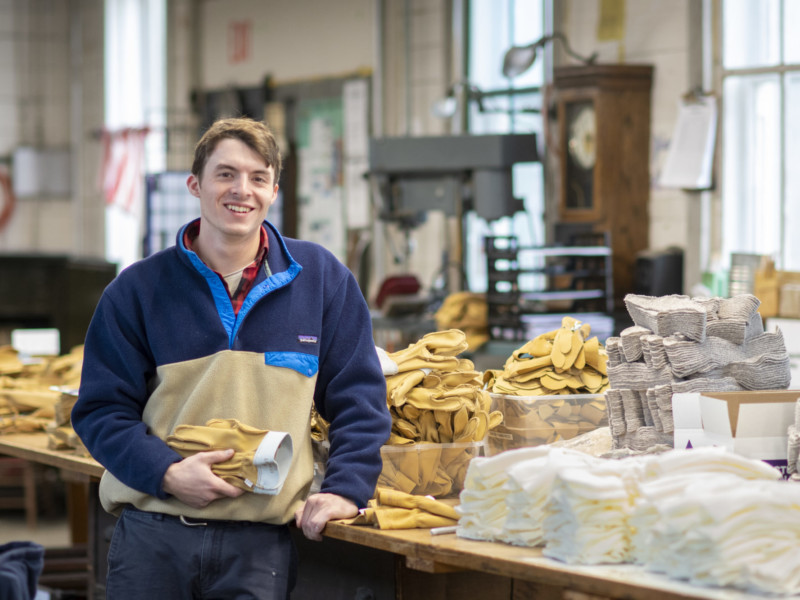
point(582, 142)
point(581, 153)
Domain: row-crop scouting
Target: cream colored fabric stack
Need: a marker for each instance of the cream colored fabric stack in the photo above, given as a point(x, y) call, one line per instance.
point(482, 507)
point(722, 531)
point(586, 515)
point(528, 488)
point(681, 344)
point(706, 515)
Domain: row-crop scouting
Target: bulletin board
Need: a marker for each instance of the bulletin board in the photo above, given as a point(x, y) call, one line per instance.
point(321, 213)
point(325, 190)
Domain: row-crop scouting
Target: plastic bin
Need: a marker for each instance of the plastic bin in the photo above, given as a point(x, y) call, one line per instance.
point(428, 469)
point(535, 420)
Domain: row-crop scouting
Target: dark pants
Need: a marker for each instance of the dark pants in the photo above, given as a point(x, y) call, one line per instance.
point(158, 556)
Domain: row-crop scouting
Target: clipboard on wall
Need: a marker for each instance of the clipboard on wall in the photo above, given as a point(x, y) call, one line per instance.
point(690, 157)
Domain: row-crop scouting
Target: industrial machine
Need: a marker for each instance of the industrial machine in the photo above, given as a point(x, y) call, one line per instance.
point(454, 174)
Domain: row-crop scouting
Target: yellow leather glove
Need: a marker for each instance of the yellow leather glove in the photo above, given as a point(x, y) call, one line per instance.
point(409, 518)
point(261, 458)
point(387, 497)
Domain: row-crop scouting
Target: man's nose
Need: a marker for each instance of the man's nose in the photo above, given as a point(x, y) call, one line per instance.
point(242, 186)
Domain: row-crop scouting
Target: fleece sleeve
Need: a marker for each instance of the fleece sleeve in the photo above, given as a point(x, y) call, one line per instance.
point(351, 396)
point(113, 393)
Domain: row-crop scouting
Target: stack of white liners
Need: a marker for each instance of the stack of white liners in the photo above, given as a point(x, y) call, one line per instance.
point(706, 515)
point(482, 501)
point(586, 515)
point(528, 489)
point(609, 512)
point(721, 530)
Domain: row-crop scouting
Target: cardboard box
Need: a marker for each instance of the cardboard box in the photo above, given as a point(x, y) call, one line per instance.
point(535, 420)
point(750, 423)
point(428, 469)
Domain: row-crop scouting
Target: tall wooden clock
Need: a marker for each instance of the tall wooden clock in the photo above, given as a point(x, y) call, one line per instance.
point(603, 155)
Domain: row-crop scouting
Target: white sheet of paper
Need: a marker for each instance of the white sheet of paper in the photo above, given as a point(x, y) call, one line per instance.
point(690, 157)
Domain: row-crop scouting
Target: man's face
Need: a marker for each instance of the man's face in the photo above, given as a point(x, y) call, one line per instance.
point(235, 190)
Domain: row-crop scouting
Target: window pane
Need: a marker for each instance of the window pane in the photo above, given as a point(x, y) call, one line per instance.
point(791, 223)
point(496, 25)
point(791, 41)
point(751, 33)
point(751, 165)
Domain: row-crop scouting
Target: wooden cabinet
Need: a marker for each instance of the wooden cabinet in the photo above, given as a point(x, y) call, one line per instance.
point(603, 153)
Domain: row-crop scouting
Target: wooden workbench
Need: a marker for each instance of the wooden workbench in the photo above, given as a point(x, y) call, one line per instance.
point(439, 565)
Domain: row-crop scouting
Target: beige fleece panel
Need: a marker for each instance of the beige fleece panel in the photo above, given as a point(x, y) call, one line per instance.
point(228, 385)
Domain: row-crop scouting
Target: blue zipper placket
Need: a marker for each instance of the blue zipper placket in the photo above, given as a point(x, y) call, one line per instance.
point(222, 300)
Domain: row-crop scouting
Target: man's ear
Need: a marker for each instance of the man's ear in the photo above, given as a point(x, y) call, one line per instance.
point(194, 185)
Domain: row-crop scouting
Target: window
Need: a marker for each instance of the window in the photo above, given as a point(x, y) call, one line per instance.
point(135, 97)
point(760, 182)
point(507, 106)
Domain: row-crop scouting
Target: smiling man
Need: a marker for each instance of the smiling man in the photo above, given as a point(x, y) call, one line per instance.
point(234, 326)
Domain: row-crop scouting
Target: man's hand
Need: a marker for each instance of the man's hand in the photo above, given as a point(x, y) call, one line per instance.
point(319, 509)
point(192, 481)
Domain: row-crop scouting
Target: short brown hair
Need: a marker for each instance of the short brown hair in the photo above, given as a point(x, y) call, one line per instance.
point(254, 133)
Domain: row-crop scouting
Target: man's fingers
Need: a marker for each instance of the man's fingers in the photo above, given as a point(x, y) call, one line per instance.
point(215, 456)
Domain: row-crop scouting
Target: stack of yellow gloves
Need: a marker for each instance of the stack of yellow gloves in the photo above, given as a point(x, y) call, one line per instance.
point(563, 361)
point(434, 398)
point(28, 394)
point(391, 509)
point(467, 311)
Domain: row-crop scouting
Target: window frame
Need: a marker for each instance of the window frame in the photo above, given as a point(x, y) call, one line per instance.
point(723, 74)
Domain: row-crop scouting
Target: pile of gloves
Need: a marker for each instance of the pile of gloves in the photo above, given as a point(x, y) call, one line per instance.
point(437, 401)
point(31, 396)
point(433, 395)
point(564, 361)
point(680, 344)
point(468, 312)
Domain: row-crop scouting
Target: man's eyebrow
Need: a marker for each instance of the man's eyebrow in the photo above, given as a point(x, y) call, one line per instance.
point(224, 166)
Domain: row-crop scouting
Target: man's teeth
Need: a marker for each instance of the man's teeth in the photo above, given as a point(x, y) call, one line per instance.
point(238, 209)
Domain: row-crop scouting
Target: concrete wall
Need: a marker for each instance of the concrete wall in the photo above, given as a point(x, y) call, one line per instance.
point(51, 100)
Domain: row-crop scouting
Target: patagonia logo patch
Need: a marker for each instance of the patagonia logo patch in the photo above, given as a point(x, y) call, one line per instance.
point(307, 339)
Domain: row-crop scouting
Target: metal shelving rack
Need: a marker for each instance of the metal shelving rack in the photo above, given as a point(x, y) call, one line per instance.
point(542, 283)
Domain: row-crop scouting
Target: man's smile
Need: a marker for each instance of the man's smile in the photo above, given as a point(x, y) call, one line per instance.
point(238, 209)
